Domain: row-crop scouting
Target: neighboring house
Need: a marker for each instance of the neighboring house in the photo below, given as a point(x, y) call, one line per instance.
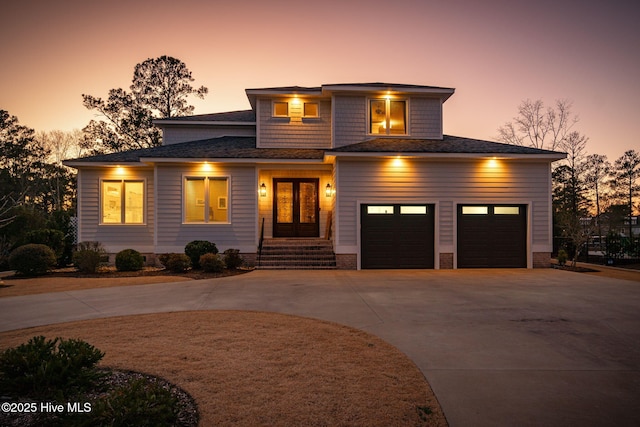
point(364, 165)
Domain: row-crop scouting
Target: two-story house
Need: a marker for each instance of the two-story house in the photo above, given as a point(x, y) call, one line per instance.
point(365, 166)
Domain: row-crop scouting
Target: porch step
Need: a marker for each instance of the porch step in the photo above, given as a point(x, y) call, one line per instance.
point(297, 254)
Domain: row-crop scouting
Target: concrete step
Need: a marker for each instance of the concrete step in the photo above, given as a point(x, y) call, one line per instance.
point(297, 253)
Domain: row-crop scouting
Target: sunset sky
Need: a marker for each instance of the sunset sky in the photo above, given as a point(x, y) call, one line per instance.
point(495, 53)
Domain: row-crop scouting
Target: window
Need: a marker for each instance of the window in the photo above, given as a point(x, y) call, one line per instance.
point(413, 210)
point(122, 201)
point(506, 210)
point(475, 210)
point(205, 199)
point(380, 210)
point(310, 109)
point(387, 117)
point(280, 109)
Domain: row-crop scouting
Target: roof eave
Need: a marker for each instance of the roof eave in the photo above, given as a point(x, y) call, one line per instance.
point(467, 156)
point(162, 122)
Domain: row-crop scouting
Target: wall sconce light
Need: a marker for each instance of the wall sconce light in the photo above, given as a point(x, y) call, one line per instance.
point(263, 190)
point(328, 190)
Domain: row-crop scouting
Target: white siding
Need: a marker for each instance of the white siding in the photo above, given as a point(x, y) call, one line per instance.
point(114, 237)
point(425, 118)
point(350, 120)
point(446, 184)
point(176, 134)
point(239, 233)
point(294, 132)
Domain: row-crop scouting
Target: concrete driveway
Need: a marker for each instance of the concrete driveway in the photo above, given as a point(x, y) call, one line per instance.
point(499, 347)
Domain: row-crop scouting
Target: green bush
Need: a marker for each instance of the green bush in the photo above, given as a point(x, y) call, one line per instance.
point(194, 250)
point(49, 237)
point(232, 258)
point(129, 260)
point(32, 259)
point(88, 256)
point(211, 263)
point(562, 257)
point(49, 368)
point(140, 402)
point(177, 263)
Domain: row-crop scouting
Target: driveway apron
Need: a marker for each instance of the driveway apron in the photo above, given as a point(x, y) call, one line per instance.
point(499, 347)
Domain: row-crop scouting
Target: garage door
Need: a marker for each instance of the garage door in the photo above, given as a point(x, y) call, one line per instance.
point(396, 236)
point(492, 236)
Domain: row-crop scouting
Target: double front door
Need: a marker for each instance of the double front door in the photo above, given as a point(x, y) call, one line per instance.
point(295, 208)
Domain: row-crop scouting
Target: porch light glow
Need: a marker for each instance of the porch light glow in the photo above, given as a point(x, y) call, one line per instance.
point(328, 191)
point(397, 162)
point(492, 163)
point(120, 170)
point(263, 190)
point(206, 167)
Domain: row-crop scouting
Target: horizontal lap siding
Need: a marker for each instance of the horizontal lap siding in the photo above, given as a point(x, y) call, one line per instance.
point(173, 235)
point(350, 120)
point(446, 183)
point(114, 237)
point(175, 135)
point(278, 132)
point(425, 118)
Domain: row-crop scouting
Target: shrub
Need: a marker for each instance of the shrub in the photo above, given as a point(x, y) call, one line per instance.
point(177, 263)
point(49, 237)
point(194, 250)
point(44, 367)
point(232, 258)
point(562, 257)
point(32, 259)
point(211, 263)
point(129, 260)
point(88, 256)
point(139, 402)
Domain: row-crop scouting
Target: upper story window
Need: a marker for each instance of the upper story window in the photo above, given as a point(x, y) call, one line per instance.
point(388, 116)
point(311, 109)
point(122, 201)
point(280, 109)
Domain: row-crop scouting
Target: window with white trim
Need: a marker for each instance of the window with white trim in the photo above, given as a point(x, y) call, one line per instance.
point(388, 117)
point(122, 201)
point(311, 109)
point(280, 109)
point(206, 200)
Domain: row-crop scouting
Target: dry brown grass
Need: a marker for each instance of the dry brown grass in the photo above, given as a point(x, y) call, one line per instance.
point(252, 368)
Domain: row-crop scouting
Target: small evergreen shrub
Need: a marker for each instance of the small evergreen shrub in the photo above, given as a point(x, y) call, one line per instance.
point(195, 249)
point(32, 259)
point(129, 260)
point(44, 367)
point(562, 257)
point(232, 258)
point(88, 256)
point(49, 237)
point(139, 402)
point(211, 263)
point(177, 263)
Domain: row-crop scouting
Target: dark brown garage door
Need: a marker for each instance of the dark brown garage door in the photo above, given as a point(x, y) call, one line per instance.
point(492, 236)
point(396, 236)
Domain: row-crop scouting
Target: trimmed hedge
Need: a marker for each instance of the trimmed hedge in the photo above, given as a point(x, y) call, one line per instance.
point(129, 260)
point(88, 256)
point(33, 259)
point(195, 249)
point(211, 263)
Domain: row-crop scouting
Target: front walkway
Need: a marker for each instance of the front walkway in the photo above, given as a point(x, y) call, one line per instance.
point(499, 347)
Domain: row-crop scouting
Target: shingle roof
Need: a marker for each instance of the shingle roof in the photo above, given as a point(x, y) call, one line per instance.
point(449, 144)
point(227, 147)
point(230, 116)
point(237, 147)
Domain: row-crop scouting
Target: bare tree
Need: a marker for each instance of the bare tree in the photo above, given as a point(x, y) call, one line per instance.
point(597, 169)
point(61, 145)
point(539, 127)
